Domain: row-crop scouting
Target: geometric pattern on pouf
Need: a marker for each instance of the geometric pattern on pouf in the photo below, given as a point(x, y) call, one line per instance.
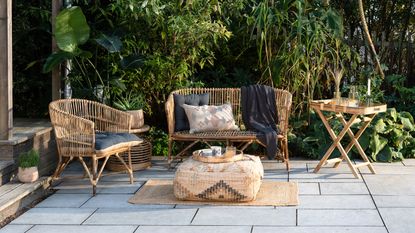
point(237, 181)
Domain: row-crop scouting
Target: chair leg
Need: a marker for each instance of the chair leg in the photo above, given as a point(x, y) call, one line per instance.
point(60, 167)
point(286, 157)
point(170, 153)
point(130, 165)
point(94, 175)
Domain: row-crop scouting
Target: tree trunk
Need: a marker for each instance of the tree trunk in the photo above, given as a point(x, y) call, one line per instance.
point(369, 39)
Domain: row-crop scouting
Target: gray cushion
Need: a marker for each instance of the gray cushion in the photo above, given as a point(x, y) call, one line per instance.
point(105, 140)
point(181, 121)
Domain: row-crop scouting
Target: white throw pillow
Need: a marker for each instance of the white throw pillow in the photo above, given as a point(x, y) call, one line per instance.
point(210, 118)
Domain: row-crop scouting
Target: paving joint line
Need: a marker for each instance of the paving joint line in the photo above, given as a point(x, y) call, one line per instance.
point(136, 229)
point(377, 209)
point(194, 216)
point(89, 216)
point(30, 228)
point(296, 217)
point(85, 202)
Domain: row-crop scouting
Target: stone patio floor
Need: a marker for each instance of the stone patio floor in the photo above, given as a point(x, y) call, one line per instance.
point(331, 201)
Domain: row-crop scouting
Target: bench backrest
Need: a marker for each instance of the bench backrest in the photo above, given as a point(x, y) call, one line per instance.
point(219, 96)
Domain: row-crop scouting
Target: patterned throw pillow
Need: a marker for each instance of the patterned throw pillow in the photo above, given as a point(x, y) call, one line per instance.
point(210, 118)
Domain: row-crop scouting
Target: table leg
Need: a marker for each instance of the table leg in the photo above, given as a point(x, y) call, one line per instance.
point(336, 142)
point(355, 141)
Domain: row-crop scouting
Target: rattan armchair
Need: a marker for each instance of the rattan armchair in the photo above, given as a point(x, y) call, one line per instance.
point(77, 123)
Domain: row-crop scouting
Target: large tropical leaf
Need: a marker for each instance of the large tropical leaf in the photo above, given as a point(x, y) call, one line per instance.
point(377, 144)
point(380, 126)
point(112, 44)
point(392, 112)
point(58, 57)
point(407, 123)
point(55, 59)
point(385, 155)
point(134, 61)
point(72, 29)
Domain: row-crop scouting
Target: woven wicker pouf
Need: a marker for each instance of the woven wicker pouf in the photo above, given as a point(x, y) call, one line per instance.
point(232, 182)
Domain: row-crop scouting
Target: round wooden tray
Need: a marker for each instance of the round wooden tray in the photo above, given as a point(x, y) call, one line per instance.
point(217, 159)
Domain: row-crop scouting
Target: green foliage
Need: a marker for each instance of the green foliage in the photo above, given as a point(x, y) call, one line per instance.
point(72, 29)
point(160, 141)
point(29, 159)
point(399, 95)
point(130, 102)
point(391, 136)
point(312, 140)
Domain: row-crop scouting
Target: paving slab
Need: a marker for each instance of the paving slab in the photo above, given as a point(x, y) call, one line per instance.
point(376, 164)
point(336, 202)
point(389, 170)
point(343, 188)
point(306, 177)
point(245, 216)
point(65, 200)
point(261, 229)
point(141, 217)
point(294, 164)
point(409, 162)
point(117, 201)
point(390, 184)
point(308, 188)
point(83, 186)
point(192, 229)
point(395, 201)
point(343, 168)
point(15, 228)
point(220, 207)
point(61, 216)
point(82, 228)
point(339, 218)
point(398, 220)
point(140, 176)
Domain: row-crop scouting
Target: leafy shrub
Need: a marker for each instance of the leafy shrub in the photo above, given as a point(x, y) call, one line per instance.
point(29, 159)
point(160, 141)
point(390, 136)
point(130, 102)
point(399, 96)
point(311, 139)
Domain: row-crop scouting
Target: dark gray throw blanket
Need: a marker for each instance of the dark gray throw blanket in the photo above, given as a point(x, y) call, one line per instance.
point(259, 113)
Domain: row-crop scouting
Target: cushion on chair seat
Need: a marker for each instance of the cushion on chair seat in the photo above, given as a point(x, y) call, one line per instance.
point(105, 141)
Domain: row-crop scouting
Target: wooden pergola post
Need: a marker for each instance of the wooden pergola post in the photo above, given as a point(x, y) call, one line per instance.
point(6, 70)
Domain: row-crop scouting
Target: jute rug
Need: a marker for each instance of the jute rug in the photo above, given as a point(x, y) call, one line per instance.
point(273, 193)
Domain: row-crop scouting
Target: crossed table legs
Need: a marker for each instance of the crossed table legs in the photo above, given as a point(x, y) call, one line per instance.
point(337, 142)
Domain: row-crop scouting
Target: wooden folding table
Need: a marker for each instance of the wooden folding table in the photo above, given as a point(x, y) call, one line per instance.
point(367, 111)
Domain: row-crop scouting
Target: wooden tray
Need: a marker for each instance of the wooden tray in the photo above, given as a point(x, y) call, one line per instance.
point(362, 109)
point(217, 159)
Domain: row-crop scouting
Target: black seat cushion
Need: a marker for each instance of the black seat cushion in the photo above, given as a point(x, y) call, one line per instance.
point(105, 140)
point(181, 121)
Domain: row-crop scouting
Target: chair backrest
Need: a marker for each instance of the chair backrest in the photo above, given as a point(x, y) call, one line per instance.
point(76, 120)
point(75, 135)
point(219, 96)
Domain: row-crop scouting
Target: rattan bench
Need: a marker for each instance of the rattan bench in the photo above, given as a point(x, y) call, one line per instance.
point(219, 96)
